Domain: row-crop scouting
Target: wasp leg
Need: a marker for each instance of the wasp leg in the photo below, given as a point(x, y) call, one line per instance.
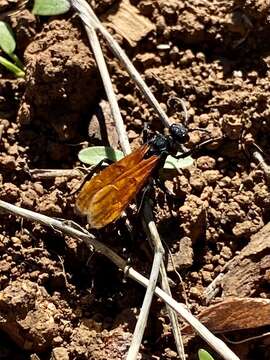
point(197, 147)
point(87, 177)
point(145, 133)
point(164, 188)
point(144, 193)
point(150, 186)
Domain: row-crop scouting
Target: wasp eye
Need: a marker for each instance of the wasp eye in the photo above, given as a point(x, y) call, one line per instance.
point(179, 133)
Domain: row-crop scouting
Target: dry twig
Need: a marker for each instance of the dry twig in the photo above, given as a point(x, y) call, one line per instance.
point(218, 345)
point(91, 22)
point(39, 174)
point(154, 236)
point(262, 164)
point(90, 19)
point(120, 127)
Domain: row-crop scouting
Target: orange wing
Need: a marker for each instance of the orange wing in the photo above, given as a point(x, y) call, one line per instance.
point(107, 176)
point(105, 196)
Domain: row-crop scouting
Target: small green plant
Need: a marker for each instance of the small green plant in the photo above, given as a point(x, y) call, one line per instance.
point(50, 7)
point(7, 40)
point(8, 46)
point(93, 155)
point(204, 355)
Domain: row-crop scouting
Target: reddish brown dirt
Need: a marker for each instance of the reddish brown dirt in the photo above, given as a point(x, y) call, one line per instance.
point(56, 299)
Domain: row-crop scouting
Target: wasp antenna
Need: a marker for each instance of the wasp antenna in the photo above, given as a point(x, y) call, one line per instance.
point(183, 105)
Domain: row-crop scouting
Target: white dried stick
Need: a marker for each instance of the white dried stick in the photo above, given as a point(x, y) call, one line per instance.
point(142, 320)
point(91, 20)
point(218, 345)
point(120, 127)
point(158, 256)
point(140, 326)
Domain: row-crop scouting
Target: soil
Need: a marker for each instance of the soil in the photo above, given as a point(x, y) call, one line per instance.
point(59, 301)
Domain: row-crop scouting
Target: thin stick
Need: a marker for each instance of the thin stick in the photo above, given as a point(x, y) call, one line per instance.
point(262, 164)
point(158, 255)
point(144, 313)
point(154, 236)
point(90, 19)
point(212, 289)
point(120, 127)
point(91, 22)
point(142, 320)
point(40, 174)
point(66, 228)
point(218, 345)
point(247, 339)
point(172, 314)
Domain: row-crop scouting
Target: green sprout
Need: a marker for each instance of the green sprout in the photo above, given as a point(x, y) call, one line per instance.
point(8, 45)
point(94, 154)
point(50, 7)
point(204, 355)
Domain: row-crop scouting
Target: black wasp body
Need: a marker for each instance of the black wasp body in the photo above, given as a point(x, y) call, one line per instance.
point(164, 145)
point(106, 195)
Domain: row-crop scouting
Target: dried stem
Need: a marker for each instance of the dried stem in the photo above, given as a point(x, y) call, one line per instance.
point(39, 174)
point(262, 164)
point(172, 314)
point(158, 256)
point(90, 19)
point(153, 234)
point(142, 320)
point(120, 127)
point(218, 345)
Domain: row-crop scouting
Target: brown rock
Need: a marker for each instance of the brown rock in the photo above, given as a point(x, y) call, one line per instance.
point(206, 163)
point(182, 258)
point(60, 68)
point(127, 21)
point(59, 353)
point(27, 315)
point(246, 271)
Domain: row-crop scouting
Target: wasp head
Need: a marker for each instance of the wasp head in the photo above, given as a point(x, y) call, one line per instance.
point(179, 133)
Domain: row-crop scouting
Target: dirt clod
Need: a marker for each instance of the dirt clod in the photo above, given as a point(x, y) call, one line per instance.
point(25, 306)
point(56, 60)
point(246, 271)
point(59, 353)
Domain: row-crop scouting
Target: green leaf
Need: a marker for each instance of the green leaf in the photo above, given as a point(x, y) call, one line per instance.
point(17, 61)
point(204, 355)
point(93, 155)
point(50, 7)
point(172, 163)
point(7, 41)
point(12, 67)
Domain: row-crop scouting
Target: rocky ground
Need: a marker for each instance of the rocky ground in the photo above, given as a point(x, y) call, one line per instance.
point(57, 300)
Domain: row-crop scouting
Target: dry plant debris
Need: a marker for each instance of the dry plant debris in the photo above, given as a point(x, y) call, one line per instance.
point(234, 314)
point(128, 22)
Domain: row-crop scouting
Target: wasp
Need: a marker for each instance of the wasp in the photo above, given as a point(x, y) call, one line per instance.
point(106, 195)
